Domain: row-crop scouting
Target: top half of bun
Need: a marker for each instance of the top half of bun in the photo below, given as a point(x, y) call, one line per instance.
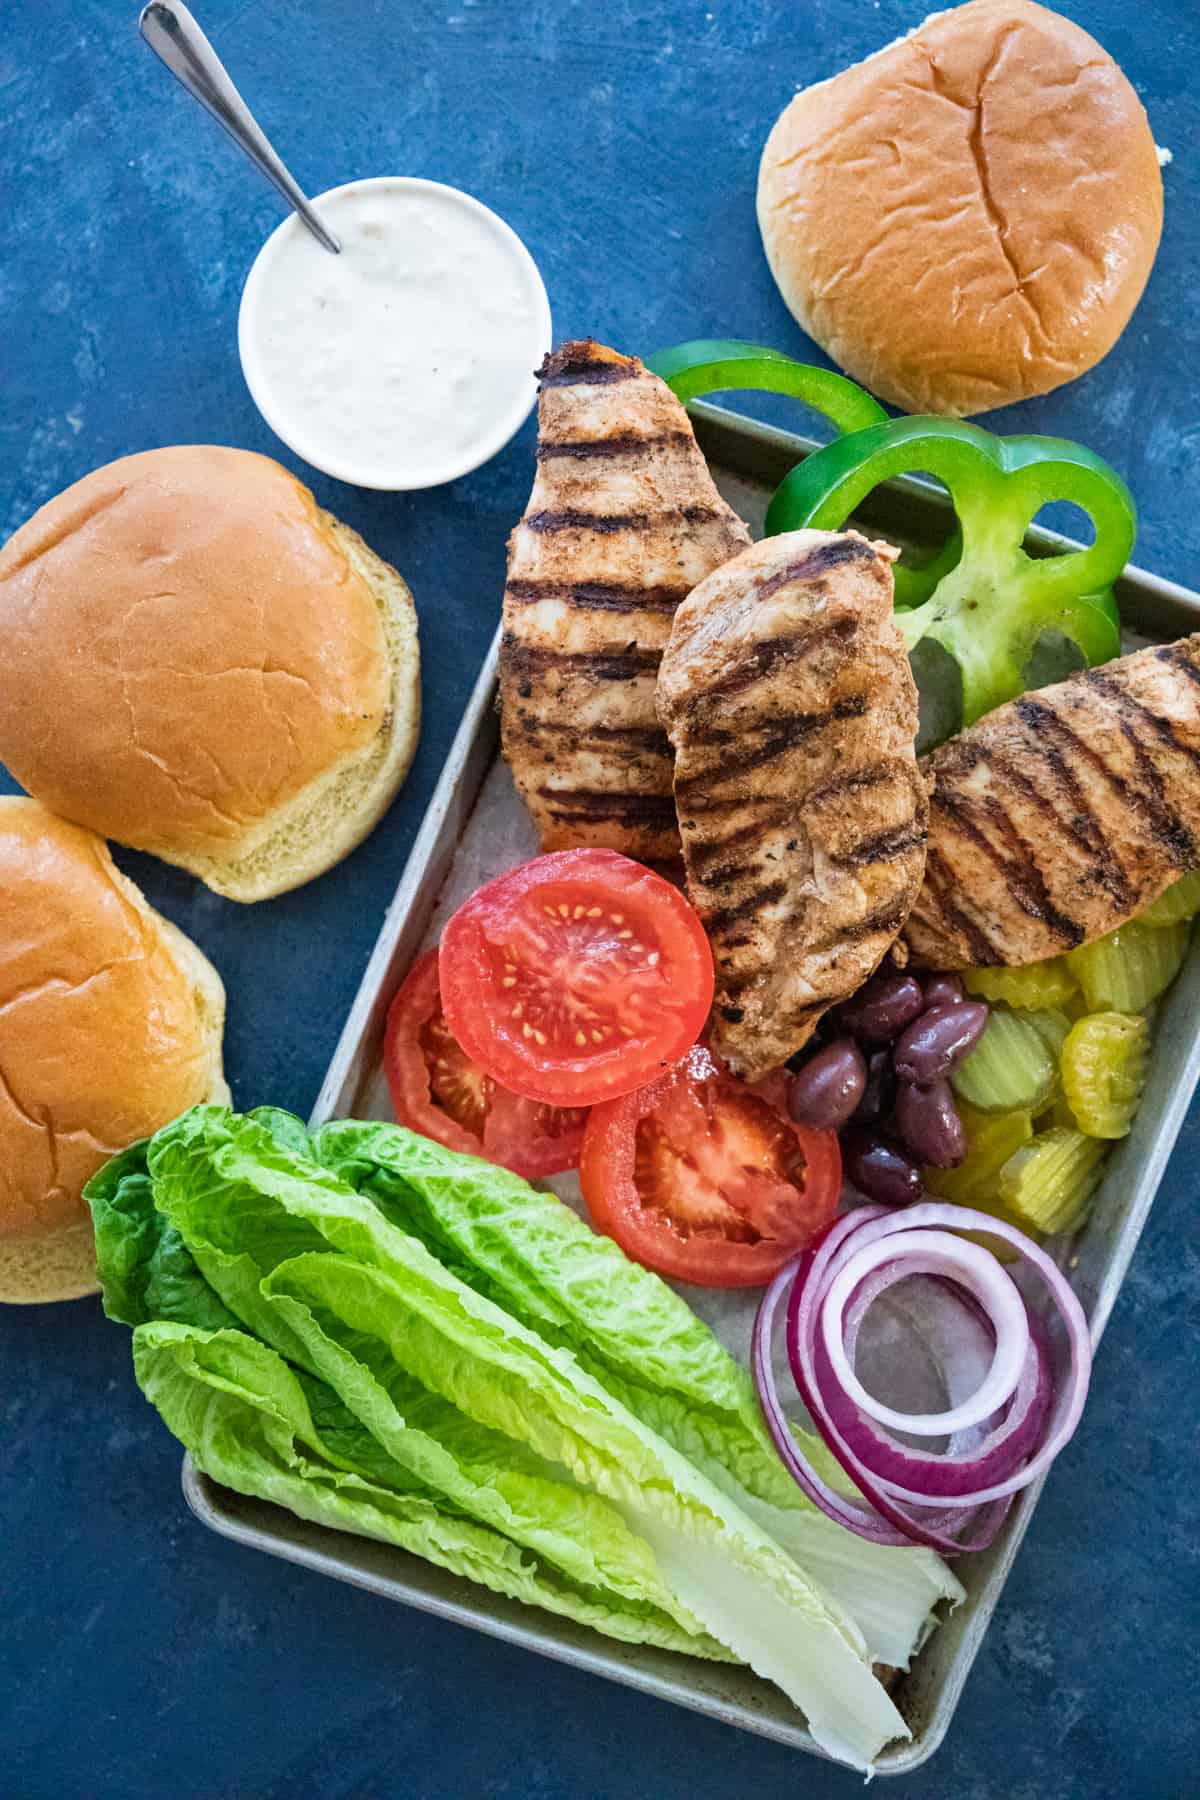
point(190, 648)
point(969, 216)
point(111, 1023)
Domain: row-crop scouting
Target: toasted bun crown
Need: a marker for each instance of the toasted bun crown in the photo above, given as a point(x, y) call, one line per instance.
point(968, 217)
point(110, 1025)
point(185, 647)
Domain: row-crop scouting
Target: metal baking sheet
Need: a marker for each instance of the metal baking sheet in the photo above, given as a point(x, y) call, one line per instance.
point(475, 826)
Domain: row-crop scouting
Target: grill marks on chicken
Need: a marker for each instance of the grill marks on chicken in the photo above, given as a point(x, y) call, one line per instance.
point(622, 523)
point(1062, 814)
point(792, 711)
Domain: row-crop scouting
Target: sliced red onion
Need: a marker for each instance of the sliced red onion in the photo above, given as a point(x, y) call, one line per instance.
point(951, 1502)
point(837, 1506)
point(970, 1266)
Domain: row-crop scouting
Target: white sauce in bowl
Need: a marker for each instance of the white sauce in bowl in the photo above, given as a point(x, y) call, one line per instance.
point(407, 360)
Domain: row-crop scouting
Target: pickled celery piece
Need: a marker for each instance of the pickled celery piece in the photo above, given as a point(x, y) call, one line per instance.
point(1181, 901)
point(1104, 1072)
point(1037, 985)
point(991, 1140)
point(1129, 968)
point(1049, 1183)
point(1058, 1114)
point(1010, 1068)
point(1052, 1026)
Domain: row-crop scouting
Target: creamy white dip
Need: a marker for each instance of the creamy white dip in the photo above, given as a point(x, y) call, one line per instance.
point(408, 359)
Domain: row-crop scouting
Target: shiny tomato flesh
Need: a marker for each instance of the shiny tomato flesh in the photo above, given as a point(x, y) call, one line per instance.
point(438, 1091)
point(705, 1179)
point(576, 977)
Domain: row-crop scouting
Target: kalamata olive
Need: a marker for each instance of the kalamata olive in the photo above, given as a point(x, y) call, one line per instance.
point(937, 1041)
point(880, 1170)
point(929, 1124)
point(876, 1102)
point(881, 1009)
point(830, 1085)
point(943, 990)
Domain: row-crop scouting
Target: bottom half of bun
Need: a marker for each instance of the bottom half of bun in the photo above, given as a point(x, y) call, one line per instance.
point(332, 816)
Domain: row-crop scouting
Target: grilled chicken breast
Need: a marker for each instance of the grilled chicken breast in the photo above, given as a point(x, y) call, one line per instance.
point(792, 711)
point(622, 523)
point(1062, 814)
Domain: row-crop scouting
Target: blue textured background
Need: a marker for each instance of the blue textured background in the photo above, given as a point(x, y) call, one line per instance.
point(139, 1656)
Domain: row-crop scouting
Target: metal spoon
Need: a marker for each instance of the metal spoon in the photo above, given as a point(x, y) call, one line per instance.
point(178, 41)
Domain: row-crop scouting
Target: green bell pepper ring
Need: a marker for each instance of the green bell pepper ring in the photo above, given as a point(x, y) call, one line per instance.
point(714, 365)
point(991, 602)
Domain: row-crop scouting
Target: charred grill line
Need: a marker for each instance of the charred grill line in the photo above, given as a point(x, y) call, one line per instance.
point(571, 519)
point(817, 562)
point(600, 596)
point(1129, 710)
point(637, 737)
point(745, 834)
point(524, 661)
point(731, 872)
point(576, 805)
point(885, 918)
point(1018, 869)
point(939, 878)
point(1079, 823)
point(620, 444)
point(1161, 822)
point(565, 369)
point(884, 847)
point(859, 779)
point(763, 657)
point(785, 736)
point(716, 922)
point(1176, 656)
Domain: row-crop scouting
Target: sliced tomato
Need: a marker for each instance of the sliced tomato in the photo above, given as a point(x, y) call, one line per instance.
point(437, 1090)
point(576, 977)
point(705, 1179)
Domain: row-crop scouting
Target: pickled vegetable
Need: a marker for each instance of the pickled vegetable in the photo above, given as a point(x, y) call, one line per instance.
point(1049, 1183)
point(1180, 902)
point(991, 1139)
point(1104, 1072)
point(1009, 1070)
point(1038, 985)
point(1058, 1114)
point(1129, 968)
point(1052, 1026)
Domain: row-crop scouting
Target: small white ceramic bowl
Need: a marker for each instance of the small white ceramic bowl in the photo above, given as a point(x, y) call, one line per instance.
point(318, 417)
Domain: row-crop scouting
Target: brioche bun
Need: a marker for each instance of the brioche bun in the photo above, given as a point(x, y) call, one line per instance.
point(110, 1025)
point(969, 216)
point(197, 661)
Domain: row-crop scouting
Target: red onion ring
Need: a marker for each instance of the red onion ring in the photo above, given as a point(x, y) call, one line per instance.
point(962, 1496)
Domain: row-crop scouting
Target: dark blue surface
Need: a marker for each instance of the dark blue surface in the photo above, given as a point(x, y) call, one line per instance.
point(139, 1656)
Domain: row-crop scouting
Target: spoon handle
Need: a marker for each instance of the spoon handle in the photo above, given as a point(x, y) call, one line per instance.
point(174, 36)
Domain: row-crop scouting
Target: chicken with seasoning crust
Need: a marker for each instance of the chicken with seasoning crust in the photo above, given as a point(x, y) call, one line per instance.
point(1062, 814)
point(792, 710)
point(622, 523)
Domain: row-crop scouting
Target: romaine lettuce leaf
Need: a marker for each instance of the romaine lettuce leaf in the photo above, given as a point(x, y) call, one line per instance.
point(247, 1421)
point(149, 1274)
point(266, 1227)
point(533, 1256)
